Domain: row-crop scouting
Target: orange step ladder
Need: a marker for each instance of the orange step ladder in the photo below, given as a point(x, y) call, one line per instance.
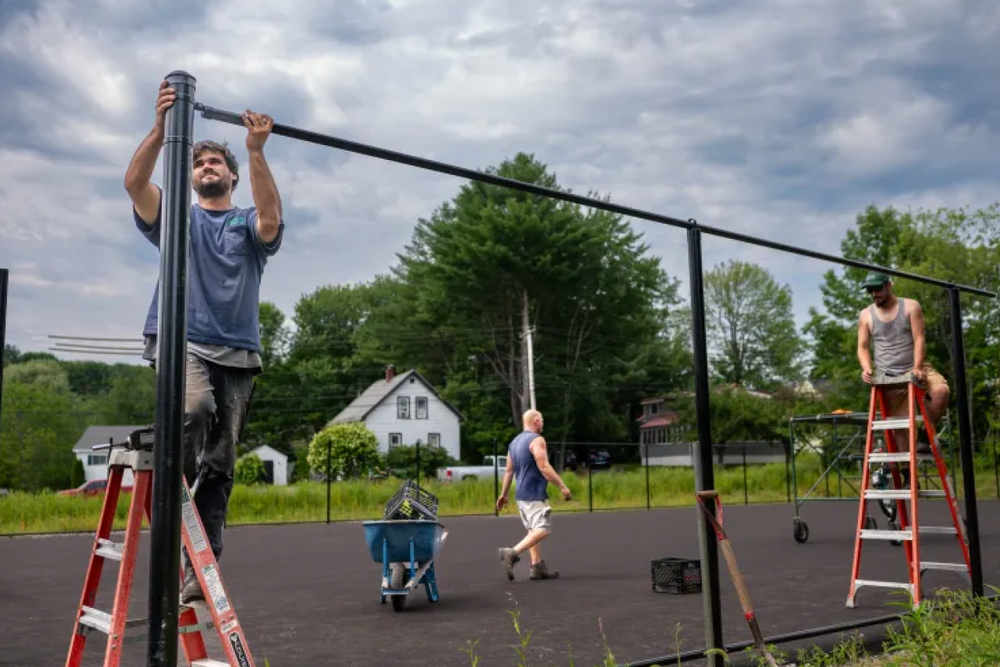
point(137, 454)
point(909, 529)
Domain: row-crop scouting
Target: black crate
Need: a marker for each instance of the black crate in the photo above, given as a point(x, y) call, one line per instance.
point(411, 502)
point(676, 575)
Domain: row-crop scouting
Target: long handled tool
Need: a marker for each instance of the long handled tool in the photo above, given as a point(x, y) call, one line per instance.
point(741, 589)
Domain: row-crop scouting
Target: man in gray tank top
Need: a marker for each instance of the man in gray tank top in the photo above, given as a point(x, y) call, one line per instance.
point(528, 463)
point(228, 248)
point(895, 327)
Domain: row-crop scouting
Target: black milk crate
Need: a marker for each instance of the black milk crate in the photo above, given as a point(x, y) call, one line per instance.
point(411, 502)
point(676, 575)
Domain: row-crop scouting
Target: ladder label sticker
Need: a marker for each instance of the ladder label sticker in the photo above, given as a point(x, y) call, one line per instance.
point(229, 625)
point(215, 590)
point(242, 659)
point(194, 531)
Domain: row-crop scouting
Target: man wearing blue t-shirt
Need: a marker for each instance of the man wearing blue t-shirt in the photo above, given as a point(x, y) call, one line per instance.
point(229, 247)
point(528, 465)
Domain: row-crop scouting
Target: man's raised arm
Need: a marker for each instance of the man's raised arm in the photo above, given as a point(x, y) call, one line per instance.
point(146, 196)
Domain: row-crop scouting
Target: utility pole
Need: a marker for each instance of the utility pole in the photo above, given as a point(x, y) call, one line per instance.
point(529, 349)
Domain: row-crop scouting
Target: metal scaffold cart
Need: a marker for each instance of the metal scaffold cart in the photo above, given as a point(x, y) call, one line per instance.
point(839, 443)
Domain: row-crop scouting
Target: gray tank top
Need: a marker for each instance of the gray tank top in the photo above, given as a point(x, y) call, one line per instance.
point(893, 342)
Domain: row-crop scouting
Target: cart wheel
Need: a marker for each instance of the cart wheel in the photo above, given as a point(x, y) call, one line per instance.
point(870, 523)
point(397, 579)
point(801, 532)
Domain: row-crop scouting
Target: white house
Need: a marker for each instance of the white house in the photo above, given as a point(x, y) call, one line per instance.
point(276, 468)
point(405, 408)
point(95, 463)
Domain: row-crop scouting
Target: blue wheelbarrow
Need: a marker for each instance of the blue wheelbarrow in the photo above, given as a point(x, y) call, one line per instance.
point(406, 549)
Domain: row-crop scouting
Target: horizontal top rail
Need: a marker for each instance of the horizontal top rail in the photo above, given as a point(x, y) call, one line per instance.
point(212, 113)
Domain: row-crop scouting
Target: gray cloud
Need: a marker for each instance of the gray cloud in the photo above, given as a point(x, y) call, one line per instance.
point(770, 118)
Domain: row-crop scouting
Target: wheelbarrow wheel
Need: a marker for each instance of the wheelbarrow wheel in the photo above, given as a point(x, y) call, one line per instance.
point(397, 579)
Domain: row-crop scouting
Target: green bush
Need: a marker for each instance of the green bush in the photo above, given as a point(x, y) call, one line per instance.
point(352, 449)
point(402, 461)
point(79, 476)
point(250, 470)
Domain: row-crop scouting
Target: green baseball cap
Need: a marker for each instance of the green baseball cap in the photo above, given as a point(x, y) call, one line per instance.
point(874, 279)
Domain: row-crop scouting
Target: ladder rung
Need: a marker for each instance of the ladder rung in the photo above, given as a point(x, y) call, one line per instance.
point(899, 457)
point(209, 662)
point(870, 534)
point(96, 619)
point(931, 494)
point(894, 423)
point(952, 567)
point(939, 530)
point(882, 584)
point(110, 550)
point(887, 494)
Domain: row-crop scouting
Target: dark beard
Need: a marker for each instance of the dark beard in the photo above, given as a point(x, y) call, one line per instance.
point(211, 190)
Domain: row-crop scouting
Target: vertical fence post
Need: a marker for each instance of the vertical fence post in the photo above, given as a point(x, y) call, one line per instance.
point(996, 468)
point(648, 502)
point(171, 357)
point(965, 438)
point(590, 482)
point(329, 450)
point(704, 473)
point(746, 491)
point(418, 463)
point(496, 477)
point(4, 279)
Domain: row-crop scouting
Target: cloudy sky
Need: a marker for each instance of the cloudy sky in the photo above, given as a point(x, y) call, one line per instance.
point(768, 117)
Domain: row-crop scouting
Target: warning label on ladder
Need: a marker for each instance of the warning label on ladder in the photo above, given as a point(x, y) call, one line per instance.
point(194, 530)
point(215, 590)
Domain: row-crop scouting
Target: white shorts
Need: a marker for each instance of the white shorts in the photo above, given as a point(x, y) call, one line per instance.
point(535, 514)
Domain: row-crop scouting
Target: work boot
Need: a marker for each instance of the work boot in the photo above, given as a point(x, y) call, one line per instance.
point(509, 558)
point(923, 442)
point(191, 591)
point(540, 570)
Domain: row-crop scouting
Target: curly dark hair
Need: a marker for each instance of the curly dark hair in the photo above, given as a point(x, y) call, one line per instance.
point(222, 149)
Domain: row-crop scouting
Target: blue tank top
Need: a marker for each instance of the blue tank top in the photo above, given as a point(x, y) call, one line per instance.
point(531, 484)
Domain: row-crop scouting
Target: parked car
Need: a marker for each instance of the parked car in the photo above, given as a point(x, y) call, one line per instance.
point(599, 460)
point(484, 471)
point(94, 487)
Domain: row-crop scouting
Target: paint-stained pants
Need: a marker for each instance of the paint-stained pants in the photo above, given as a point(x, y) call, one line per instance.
point(216, 402)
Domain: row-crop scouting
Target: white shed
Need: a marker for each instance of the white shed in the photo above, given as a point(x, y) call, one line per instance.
point(275, 465)
point(405, 408)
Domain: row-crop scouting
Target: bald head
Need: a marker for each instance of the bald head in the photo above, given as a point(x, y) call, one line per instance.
point(533, 421)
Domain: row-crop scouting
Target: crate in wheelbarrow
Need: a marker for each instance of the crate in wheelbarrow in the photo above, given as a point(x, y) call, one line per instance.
point(411, 502)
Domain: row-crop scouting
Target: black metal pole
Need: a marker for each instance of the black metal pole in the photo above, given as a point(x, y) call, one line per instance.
point(704, 474)
point(329, 449)
point(746, 491)
point(965, 438)
point(171, 356)
point(418, 464)
point(590, 484)
point(496, 477)
point(648, 502)
point(4, 279)
point(996, 469)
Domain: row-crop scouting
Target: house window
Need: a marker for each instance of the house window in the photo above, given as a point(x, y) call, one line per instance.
point(434, 439)
point(654, 409)
point(395, 439)
point(420, 404)
point(403, 407)
point(97, 459)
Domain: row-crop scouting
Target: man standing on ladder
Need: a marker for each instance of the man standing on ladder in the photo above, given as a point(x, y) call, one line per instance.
point(229, 247)
point(896, 328)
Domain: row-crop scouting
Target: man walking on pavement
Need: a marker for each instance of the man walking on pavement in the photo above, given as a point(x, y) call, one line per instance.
point(528, 464)
point(896, 328)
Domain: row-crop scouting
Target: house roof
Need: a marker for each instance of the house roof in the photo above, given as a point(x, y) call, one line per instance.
point(658, 422)
point(377, 392)
point(100, 435)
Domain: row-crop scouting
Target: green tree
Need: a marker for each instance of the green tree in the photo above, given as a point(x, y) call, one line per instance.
point(492, 258)
point(751, 325)
point(352, 449)
point(274, 335)
point(11, 355)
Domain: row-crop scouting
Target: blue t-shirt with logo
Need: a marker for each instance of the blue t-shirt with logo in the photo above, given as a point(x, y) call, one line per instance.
point(226, 260)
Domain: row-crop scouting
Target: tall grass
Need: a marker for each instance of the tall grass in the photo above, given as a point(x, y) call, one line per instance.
point(355, 500)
